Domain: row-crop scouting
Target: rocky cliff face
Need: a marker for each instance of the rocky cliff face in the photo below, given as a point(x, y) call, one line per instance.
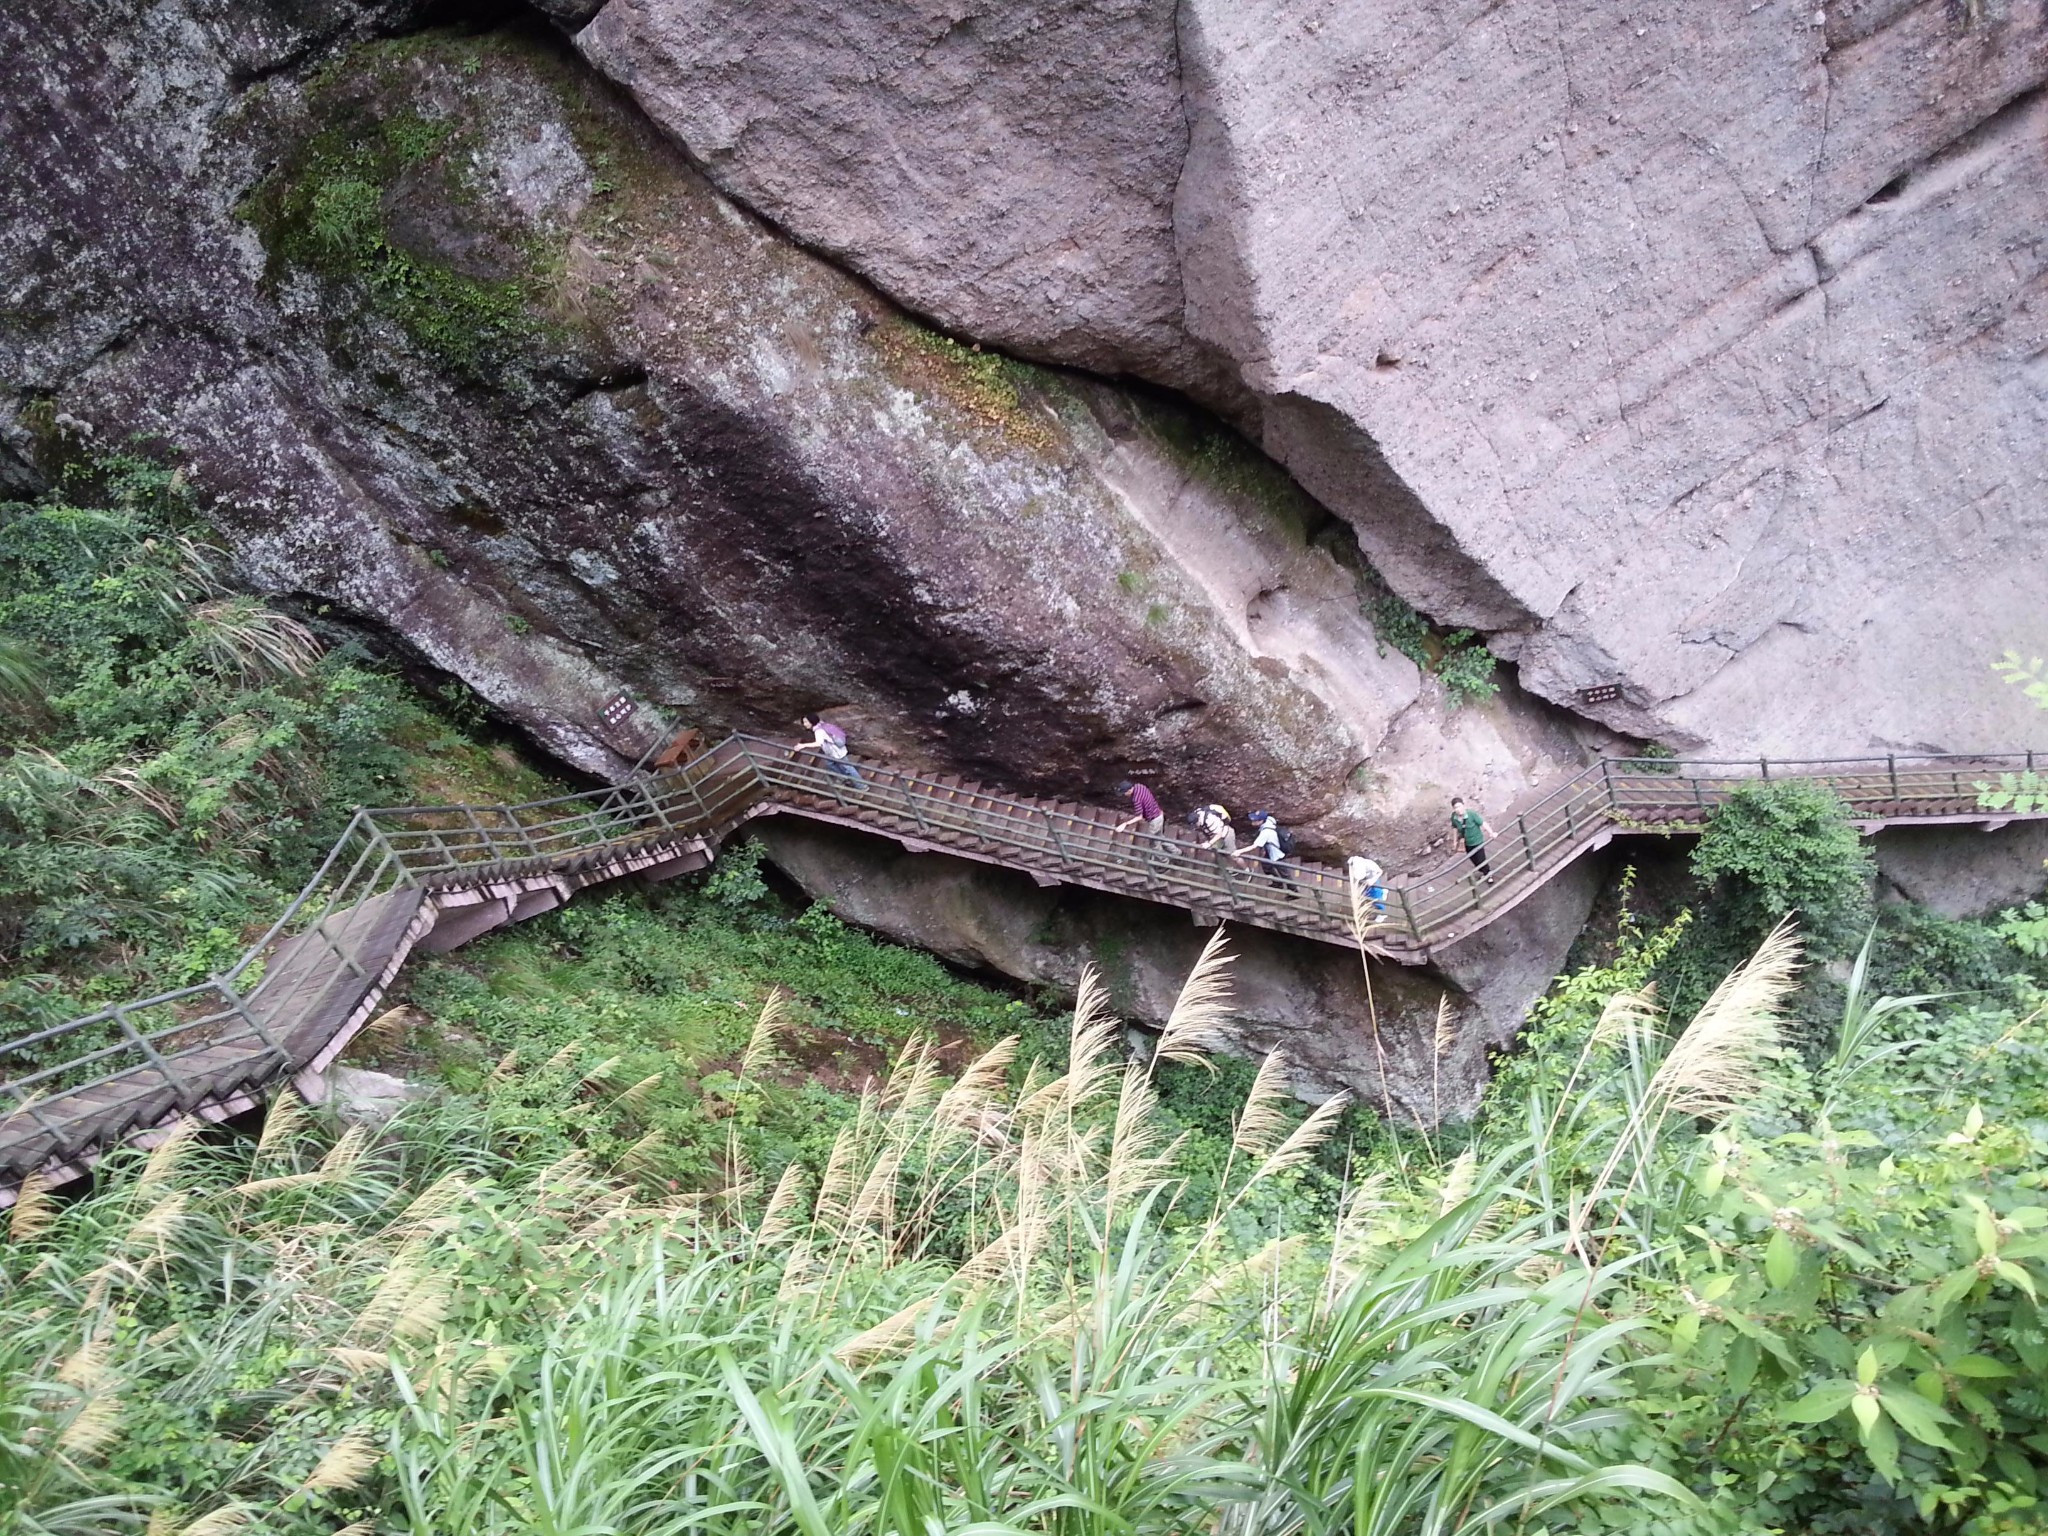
point(464, 350)
point(1689, 353)
point(1697, 356)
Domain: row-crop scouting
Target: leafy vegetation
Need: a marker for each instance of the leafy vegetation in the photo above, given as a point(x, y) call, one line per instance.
point(177, 756)
point(1786, 846)
point(1458, 659)
point(724, 1217)
point(1776, 849)
point(326, 210)
point(1675, 1280)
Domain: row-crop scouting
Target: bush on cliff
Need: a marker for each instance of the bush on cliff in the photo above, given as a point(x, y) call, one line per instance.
point(174, 757)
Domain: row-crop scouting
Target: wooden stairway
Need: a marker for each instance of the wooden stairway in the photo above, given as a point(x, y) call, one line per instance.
point(434, 877)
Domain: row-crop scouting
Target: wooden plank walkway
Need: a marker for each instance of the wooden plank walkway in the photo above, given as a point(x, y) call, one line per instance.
point(437, 876)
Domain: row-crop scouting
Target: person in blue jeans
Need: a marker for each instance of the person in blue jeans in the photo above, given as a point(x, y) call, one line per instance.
point(829, 742)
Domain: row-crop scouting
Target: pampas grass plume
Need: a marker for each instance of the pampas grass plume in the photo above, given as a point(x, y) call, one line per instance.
point(346, 1463)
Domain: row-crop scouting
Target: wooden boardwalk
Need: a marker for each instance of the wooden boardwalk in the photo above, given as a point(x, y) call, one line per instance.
point(435, 877)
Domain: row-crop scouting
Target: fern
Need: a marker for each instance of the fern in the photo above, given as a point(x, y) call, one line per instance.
point(2028, 674)
point(2023, 794)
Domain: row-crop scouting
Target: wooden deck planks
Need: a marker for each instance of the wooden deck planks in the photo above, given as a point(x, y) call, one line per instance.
point(318, 983)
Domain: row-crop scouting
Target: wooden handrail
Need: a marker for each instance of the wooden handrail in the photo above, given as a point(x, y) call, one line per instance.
point(469, 847)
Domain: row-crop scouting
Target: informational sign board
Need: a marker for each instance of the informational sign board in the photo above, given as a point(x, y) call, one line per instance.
point(618, 709)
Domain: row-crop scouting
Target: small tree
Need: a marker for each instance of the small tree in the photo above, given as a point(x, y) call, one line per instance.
point(1787, 846)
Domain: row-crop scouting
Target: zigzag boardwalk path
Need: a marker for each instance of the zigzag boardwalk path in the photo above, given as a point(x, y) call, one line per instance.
point(434, 877)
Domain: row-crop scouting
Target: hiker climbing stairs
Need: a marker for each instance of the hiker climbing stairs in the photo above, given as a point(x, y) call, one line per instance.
point(434, 877)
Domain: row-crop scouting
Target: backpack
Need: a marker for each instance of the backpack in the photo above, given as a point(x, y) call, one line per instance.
point(833, 733)
point(1285, 839)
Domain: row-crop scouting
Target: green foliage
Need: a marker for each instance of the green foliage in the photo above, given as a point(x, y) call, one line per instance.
point(735, 880)
point(324, 210)
point(1918, 951)
point(1460, 661)
point(190, 753)
point(1786, 846)
point(1466, 669)
point(2025, 928)
point(2024, 793)
point(1858, 1331)
point(668, 985)
point(516, 1340)
point(1396, 624)
point(1655, 757)
point(2026, 674)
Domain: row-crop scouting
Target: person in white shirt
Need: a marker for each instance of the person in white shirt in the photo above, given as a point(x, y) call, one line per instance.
point(1366, 878)
point(1212, 825)
point(1271, 847)
point(829, 742)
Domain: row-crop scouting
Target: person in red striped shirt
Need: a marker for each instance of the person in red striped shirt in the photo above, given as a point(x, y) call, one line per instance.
point(1149, 817)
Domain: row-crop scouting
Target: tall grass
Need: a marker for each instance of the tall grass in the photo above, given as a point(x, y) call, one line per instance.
point(973, 1317)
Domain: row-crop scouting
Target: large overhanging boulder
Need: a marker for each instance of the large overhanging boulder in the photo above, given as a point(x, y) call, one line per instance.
point(1692, 352)
point(459, 347)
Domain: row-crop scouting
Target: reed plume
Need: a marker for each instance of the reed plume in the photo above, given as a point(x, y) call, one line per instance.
point(769, 1027)
point(1196, 1026)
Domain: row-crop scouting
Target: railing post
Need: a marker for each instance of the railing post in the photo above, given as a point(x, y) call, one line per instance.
point(31, 1105)
point(1408, 914)
point(1607, 778)
point(1765, 764)
point(1891, 765)
point(1054, 832)
point(914, 800)
point(141, 1043)
point(1528, 850)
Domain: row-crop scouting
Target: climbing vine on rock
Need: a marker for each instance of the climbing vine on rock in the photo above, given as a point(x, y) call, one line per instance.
point(1458, 659)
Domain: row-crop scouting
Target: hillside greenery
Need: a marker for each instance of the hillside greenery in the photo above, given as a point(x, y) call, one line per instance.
point(716, 1215)
point(178, 756)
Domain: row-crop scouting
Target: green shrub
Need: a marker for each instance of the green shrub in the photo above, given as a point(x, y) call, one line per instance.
point(1786, 846)
point(1461, 663)
point(190, 755)
point(1396, 624)
point(1466, 670)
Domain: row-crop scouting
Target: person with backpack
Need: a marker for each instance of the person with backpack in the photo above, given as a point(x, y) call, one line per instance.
point(1474, 829)
point(829, 742)
point(1212, 826)
point(1275, 845)
point(1148, 817)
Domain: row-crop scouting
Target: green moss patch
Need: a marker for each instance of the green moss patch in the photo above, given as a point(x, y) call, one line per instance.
point(327, 208)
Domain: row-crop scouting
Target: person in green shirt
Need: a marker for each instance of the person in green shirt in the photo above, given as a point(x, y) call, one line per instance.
point(1475, 830)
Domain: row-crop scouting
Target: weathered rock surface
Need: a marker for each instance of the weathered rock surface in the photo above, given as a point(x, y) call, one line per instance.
point(1312, 999)
point(361, 1096)
point(1960, 872)
point(1693, 351)
point(462, 349)
point(952, 154)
